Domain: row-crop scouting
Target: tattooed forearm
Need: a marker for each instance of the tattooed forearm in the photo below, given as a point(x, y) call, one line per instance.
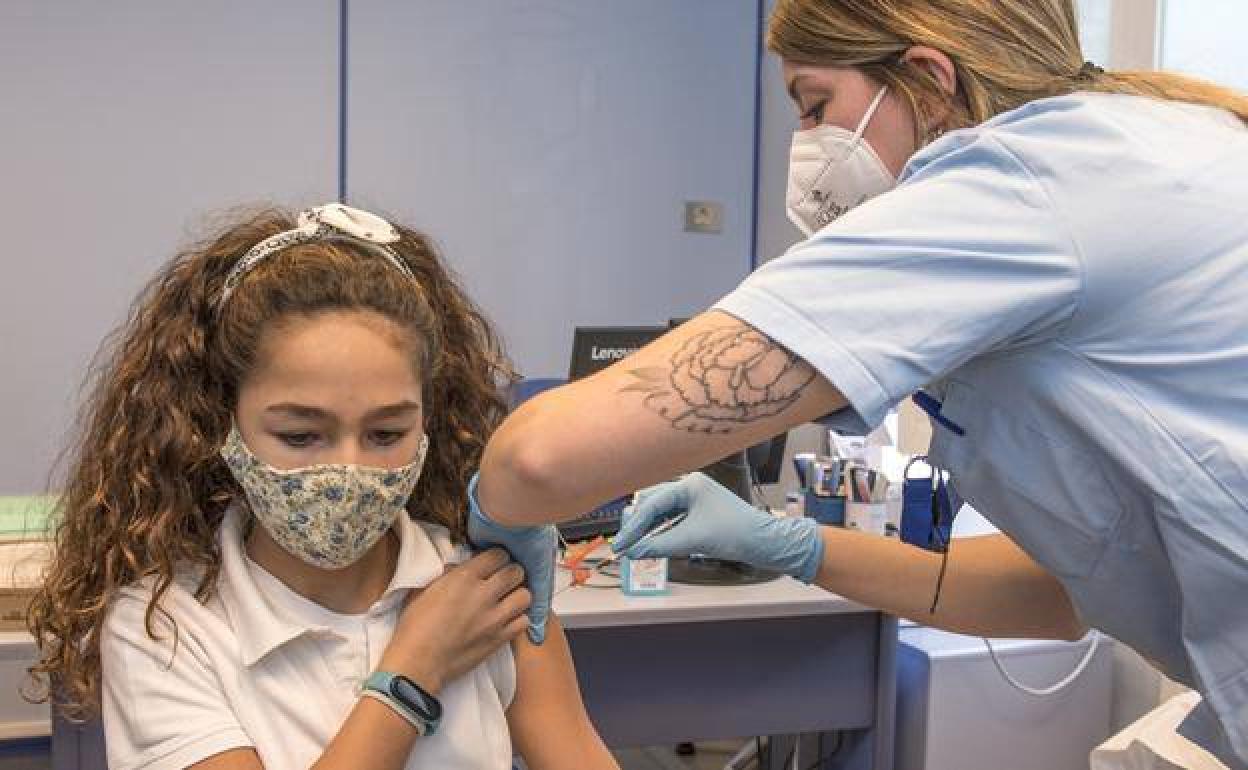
point(723, 378)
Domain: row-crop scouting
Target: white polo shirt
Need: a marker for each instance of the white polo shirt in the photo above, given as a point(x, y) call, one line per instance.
point(259, 665)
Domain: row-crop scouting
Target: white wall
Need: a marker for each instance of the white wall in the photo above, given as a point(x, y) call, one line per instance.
point(1095, 26)
point(123, 124)
point(1206, 38)
point(549, 145)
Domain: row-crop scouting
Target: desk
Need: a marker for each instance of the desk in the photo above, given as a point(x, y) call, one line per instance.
point(705, 662)
point(19, 720)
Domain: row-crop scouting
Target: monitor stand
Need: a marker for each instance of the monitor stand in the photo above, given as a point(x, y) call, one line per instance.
point(733, 472)
point(706, 571)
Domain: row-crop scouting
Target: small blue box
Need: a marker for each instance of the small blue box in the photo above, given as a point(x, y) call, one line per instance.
point(643, 577)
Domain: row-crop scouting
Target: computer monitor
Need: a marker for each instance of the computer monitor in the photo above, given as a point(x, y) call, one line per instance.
point(594, 348)
point(739, 472)
point(767, 458)
point(761, 463)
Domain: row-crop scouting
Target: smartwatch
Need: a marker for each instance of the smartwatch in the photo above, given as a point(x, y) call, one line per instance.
point(407, 698)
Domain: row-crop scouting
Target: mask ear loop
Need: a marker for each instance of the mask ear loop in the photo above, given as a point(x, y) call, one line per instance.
point(866, 117)
point(853, 145)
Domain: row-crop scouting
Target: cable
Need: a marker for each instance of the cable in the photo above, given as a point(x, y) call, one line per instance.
point(1052, 689)
point(759, 500)
point(945, 547)
point(818, 763)
point(944, 566)
point(596, 567)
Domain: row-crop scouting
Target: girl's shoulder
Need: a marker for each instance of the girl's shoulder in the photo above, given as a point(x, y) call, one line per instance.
point(183, 587)
point(440, 537)
point(141, 614)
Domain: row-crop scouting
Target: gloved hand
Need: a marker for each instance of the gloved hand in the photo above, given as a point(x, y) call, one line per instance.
point(720, 525)
point(533, 548)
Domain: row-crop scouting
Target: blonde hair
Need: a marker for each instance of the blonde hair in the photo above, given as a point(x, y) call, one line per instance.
point(1006, 53)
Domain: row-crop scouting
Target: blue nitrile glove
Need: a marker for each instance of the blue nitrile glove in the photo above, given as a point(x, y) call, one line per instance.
point(533, 548)
point(720, 525)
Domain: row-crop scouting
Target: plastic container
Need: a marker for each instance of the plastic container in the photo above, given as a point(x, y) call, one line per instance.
point(643, 577)
point(871, 518)
point(829, 511)
point(794, 505)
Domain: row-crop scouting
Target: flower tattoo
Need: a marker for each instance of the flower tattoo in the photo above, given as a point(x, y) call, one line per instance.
point(723, 378)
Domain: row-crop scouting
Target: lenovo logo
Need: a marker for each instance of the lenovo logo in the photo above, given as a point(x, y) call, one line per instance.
point(609, 354)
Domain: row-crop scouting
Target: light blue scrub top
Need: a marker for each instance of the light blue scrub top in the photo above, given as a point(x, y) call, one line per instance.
point(1070, 279)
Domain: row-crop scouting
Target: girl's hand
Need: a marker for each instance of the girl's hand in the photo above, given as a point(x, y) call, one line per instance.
point(458, 620)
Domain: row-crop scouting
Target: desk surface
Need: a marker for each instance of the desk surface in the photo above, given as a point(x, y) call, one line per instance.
point(610, 607)
point(588, 607)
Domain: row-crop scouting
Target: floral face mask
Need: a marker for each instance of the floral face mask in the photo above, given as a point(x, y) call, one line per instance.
point(326, 515)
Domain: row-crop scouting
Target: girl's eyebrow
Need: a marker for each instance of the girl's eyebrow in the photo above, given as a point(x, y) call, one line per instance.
point(393, 410)
point(316, 413)
point(299, 410)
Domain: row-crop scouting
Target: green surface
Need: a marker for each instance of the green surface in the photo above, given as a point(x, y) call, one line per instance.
point(25, 515)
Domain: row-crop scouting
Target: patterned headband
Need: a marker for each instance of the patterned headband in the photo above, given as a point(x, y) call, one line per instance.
point(333, 221)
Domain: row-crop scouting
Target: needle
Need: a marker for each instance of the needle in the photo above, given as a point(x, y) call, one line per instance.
point(664, 527)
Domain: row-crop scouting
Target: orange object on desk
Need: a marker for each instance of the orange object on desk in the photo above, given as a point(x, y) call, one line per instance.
point(574, 556)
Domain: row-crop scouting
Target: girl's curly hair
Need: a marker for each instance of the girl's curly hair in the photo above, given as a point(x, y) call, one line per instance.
point(146, 488)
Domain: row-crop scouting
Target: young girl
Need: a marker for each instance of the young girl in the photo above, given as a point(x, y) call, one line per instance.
point(259, 560)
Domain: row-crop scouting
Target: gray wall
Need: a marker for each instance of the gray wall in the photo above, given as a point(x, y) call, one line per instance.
point(551, 147)
point(123, 125)
point(778, 121)
point(548, 145)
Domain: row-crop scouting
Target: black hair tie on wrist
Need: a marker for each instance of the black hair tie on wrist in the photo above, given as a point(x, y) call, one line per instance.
point(1090, 71)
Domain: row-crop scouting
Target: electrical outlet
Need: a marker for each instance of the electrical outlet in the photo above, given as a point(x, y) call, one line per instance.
point(704, 217)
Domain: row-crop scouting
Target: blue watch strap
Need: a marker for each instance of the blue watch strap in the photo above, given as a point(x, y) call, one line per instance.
point(415, 704)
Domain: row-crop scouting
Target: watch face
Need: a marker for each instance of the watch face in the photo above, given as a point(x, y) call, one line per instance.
point(414, 698)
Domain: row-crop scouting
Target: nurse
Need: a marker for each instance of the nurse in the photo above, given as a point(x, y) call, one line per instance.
point(1056, 254)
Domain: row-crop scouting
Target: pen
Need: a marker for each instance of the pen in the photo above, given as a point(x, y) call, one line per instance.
point(802, 462)
point(665, 526)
